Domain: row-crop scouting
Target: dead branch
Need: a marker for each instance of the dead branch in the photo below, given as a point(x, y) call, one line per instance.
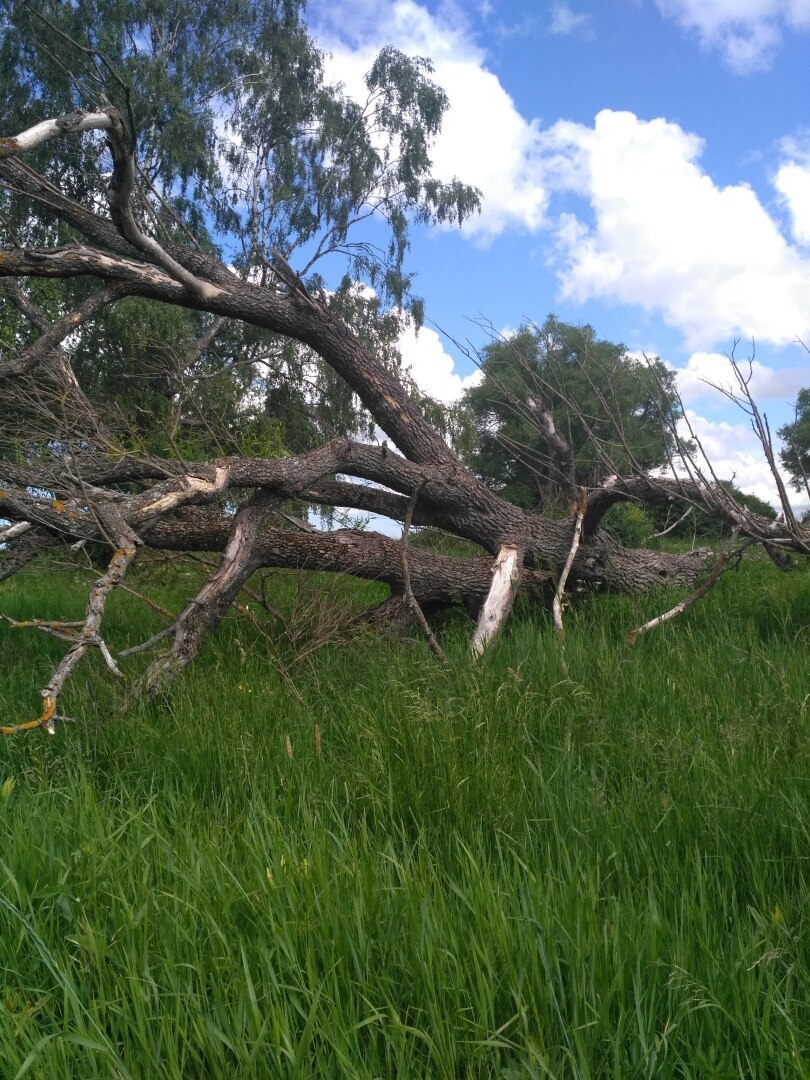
point(498, 603)
point(54, 334)
point(569, 562)
point(670, 528)
point(419, 615)
point(687, 602)
point(203, 614)
point(88, 637)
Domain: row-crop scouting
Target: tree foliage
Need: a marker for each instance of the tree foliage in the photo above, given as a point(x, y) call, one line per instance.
point(244, 147)
point(613, 412)
point(795, 453)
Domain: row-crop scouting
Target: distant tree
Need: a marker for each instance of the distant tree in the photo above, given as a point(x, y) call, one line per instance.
point(795, 453)
point(558, 409)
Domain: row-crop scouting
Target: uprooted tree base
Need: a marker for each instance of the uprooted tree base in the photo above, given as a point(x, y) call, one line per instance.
point(87, 489)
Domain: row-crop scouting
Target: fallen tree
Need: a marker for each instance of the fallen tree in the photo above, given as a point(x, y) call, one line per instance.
point(74, 481)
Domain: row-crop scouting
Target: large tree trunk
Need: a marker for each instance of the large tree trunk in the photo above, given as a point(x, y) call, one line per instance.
point(93, 493)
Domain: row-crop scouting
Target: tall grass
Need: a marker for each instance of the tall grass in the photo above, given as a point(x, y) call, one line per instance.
point(583, 862)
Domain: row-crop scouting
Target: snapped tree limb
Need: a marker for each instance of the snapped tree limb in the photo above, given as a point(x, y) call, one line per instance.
point(85, 489)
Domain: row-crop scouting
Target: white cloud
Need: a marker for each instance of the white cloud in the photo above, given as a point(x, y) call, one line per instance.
point(706, 370)
point(735, 453)
point(667, 238)
point(431, 368)
point(792, 181)
point(484, 140)
point(564, 20)
point(658, 233)
point(746, 32)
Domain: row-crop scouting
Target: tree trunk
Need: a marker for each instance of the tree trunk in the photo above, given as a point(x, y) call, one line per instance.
point(90, 491)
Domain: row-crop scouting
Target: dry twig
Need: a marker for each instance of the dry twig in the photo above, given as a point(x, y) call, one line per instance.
point(419, 615)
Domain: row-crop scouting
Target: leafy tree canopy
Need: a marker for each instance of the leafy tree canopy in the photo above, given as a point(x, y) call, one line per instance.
point(612, 412)
point(242, 145)
point(795, 453)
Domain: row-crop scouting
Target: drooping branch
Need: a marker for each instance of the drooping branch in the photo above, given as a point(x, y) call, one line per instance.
point(121, 187)
point(287, 312)
point(54, 334)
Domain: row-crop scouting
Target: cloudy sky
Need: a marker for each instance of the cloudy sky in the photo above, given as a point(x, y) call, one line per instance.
point(645, 167)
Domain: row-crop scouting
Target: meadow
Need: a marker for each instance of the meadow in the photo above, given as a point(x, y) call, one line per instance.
point(570, 861)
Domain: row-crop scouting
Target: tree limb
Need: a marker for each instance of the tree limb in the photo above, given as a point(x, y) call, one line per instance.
point(569, 562)
point(499, 599)
point(419, 615)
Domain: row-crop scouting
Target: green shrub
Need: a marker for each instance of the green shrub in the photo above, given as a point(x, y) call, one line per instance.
point(629, 523)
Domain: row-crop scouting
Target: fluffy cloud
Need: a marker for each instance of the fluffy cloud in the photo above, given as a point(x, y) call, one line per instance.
point(747, 32)
point(664, 236)
point(735, 453)
point(431, 368)
point(657, 232)
point(706, 371)
point(484, 140)
point(792, 181)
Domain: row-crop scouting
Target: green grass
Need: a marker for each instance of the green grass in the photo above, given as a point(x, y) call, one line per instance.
point(562, 862)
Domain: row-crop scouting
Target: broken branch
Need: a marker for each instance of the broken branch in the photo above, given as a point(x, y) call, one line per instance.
point(692, 598)
point(569, 562)
point(419, 615)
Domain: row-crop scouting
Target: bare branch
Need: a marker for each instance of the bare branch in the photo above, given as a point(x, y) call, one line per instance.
point(88, 637)
point(419, 615)
point(54, 334)
point(203, 614)
point(569, 562)
point(692, 598)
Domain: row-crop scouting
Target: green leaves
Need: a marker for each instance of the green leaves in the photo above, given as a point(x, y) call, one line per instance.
point(795, 454)
point(612, 411)
point(241, 144)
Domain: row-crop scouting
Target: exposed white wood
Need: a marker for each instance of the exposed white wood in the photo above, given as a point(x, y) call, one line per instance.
point(71, 124)
point(188, 489)
point(556, 607)
point(496, 607)
point(14, 530)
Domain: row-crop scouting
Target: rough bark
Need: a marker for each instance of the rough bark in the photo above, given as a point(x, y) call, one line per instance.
point(89, 493)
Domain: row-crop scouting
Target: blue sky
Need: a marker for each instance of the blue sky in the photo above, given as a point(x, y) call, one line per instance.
point(645, 166)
